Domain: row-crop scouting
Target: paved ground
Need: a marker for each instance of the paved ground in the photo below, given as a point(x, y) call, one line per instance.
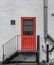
point(26, 64)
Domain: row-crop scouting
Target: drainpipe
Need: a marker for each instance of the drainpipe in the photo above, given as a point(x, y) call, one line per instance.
point(46, 28)
point(45, 19)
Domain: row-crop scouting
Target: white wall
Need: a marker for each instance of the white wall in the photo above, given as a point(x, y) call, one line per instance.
point(50, 17)
point(15, 9)
point(51, 21)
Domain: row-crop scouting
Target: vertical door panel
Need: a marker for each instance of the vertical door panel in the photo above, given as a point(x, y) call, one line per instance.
point(28, 28)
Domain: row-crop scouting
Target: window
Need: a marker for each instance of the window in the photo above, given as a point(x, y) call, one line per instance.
point(12, 22)
point(28, 27)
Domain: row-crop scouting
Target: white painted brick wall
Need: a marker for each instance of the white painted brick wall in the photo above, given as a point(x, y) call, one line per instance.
point(15, 9)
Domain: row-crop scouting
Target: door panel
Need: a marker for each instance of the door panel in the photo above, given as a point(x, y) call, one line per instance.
point(28, 28)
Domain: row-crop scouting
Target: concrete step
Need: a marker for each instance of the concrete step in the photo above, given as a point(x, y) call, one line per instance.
point(26, 64)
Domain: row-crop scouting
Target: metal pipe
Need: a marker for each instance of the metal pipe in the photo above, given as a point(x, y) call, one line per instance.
point(17, 43)
point(45, 27)
point(45, 19)
point(47, 53)
point(3, 53)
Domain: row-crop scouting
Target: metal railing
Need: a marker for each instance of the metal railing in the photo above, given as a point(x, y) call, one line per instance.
point(10, 47)
point(50, 38)
point(14, 45)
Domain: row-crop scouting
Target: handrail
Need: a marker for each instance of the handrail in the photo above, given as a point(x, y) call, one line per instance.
point(10, 47)
point(51, 49)
point(50, 38)
point(8, 40)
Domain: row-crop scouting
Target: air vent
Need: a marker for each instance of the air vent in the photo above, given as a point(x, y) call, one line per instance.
point(52, 14)
point(12, 22)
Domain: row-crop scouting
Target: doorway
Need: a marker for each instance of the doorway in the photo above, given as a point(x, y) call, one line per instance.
point(28, 32)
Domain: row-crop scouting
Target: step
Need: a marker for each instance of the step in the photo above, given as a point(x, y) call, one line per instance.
point(25, 58)
point(28, 64)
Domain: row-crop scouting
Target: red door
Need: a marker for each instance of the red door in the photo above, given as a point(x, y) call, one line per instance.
point(28, 28)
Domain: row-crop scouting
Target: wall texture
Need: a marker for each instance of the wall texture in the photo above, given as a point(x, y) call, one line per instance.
point(15, 9)
point(51, 21)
